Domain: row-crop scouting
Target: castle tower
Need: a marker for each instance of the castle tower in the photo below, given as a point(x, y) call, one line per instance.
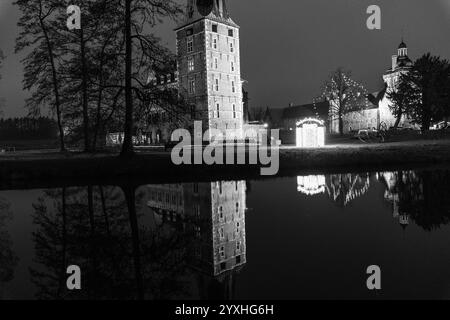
point(209, 65)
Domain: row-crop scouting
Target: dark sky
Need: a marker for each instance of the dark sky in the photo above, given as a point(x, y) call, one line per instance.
point(289, 47)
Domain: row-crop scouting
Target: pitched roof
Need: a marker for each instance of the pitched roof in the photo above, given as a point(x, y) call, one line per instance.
point(320, 109)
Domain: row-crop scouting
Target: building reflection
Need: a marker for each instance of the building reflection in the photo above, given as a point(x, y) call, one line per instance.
point(344, 188)
point(212, 216)
point(404, 190)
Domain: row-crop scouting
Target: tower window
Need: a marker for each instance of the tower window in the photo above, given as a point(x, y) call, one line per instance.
point(222, 233)
point(232, 66)
point(231, 47)
point(217, 84)
point(218, 116)
point(215, 28)
point(216, 63)
point(191, 64)
point(221, 213)
point(230, 33)
point(190, 44)
point(234, 111)
point(233, 87)
point(215, 43)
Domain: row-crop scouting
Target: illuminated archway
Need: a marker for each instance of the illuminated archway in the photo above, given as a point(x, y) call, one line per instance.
point(310, 133)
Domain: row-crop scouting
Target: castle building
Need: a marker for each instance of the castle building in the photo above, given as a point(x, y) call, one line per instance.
point(401, 64)
point(376, 114)
point(209, 66)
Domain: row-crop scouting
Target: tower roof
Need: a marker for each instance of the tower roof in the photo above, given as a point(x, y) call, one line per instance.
point(402, 45)
point(215, 10)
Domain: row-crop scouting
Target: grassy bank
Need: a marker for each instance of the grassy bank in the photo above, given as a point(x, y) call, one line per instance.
point(42, 170)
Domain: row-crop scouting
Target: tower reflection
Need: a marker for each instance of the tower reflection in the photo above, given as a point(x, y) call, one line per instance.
point(212, 217)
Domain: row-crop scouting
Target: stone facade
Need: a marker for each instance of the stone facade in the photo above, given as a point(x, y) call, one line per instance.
point(209, 66)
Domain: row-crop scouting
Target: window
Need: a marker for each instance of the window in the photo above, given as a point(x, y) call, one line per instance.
point(192, 86)
point(218, 116)
point(217, 84)
point(234, 116)
point(196, 188)
point(221, 233)
point(232, 66)
point(238, 245)
point(215, 43)
point(230, 33)
point(238, 259)
point(221, 213)
point(220, 183)
point(191, 65)
point(231, 47)
point(190, 44)
point(215, 28)
point(216, 63)
point(233, 87)
point(222, 252)
point(189, 32)
point(237, 207)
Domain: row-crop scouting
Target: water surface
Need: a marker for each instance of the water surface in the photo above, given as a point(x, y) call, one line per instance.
point(304, 237)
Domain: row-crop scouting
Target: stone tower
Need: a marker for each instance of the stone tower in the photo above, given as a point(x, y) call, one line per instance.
point(209, 65)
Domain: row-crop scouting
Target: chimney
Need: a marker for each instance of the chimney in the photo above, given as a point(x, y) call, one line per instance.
point(394, 62)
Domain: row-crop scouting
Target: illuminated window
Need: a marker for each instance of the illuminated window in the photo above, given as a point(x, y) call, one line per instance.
point(190, 44)
point(191, 64)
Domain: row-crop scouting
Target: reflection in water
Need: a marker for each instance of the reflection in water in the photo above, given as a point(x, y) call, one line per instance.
point(189, 241)
point(212, 215)
point(419, 196)
point(344, 188)
point(8, 259)
point(311, 185)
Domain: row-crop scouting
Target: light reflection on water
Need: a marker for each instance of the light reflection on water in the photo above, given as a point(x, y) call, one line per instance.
point(292, 238)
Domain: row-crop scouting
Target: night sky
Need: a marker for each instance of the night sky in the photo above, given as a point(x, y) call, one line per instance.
point(289, 47)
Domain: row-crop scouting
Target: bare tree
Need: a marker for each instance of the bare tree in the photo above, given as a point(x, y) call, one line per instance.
point(344, 95)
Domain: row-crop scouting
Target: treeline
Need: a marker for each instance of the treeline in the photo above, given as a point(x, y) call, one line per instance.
point(28, 128)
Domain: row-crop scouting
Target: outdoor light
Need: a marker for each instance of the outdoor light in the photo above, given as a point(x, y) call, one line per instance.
point(310, 133)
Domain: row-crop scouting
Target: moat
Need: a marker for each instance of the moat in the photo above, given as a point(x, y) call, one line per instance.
point(299, 237)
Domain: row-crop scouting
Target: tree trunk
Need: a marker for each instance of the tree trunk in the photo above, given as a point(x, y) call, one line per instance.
point(127, 147)
point(129, 193)
point(55, 86)
point(87, 146)
point(397, 121)
point(341, 124)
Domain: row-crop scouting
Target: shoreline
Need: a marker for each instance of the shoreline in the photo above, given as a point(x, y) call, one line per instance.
point(46, 170)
